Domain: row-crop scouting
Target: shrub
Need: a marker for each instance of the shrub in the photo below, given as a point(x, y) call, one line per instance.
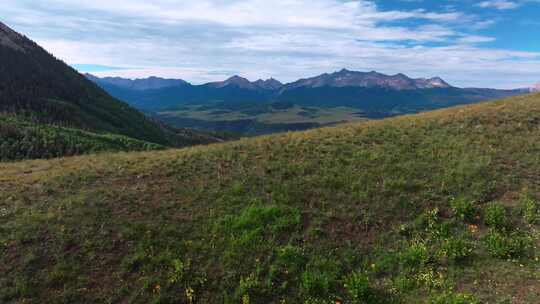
point(357, 285)
point(316, 283)
point(496, 217)
point(177, 271)
point(430, 278)
point(517, 244)
point(291, 257)
point(255, 228)
point(454, 298)
point(275, 219)
point(432, 219)
point(249, 285)
point(287, 267)
point(531, 211)
point(416, 255)
point(404, 283)
point(430, 222)
point(320, 277)
point(463, 209)
point(387, 262)
point(456, 249)
point(312, 300)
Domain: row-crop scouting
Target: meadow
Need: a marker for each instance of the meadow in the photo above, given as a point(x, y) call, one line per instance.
point(441, 207)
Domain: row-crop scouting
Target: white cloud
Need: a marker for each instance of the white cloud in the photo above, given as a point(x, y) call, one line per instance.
point(206, 40)
point(483, 24)
point(475, 39)
point(499, 4)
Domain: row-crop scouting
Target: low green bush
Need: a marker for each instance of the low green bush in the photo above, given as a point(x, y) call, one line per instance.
point(495, 216)
point(416, 255)
point(463, 209)
point(430, 222)
point(514, 245)
point(291, 257)
point(249, 286)
point(456, 249)
point(316, 283)
point(320, 277)
point(531, 211)
point(357, 286)
point(454, 298)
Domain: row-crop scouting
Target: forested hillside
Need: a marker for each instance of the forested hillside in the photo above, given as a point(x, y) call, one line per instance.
point(36, 85)
point(22, 139)
point(38, 89)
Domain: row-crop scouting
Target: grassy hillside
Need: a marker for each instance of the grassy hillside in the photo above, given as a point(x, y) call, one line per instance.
point(441, 207)
point(22, 139)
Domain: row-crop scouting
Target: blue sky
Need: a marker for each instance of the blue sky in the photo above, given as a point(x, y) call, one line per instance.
point(491, 43)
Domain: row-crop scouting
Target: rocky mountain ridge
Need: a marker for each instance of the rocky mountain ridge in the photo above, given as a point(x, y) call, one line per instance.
point(341, 79)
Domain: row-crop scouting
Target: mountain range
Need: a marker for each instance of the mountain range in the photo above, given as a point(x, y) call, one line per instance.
point(346, 78)
point(343, 78)
point(375, 94)
point(149, 83)
point(267, 106)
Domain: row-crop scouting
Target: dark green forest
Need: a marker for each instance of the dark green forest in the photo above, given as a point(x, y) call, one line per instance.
point(39, 87)
point(27, 140)
point(47, 109)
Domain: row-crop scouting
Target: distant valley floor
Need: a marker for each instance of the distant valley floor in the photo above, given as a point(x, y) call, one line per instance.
point(264, 120)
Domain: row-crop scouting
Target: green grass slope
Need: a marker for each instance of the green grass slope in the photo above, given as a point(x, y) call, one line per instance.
point(22, 139)
point(440, 207)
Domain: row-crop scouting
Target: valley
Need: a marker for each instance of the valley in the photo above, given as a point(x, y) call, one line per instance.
point(247, 108)
point(259, 119)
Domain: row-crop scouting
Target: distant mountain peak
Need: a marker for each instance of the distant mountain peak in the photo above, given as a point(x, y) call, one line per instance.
point(91, 76)
point(432, 83)
point(234, 81)
point(372, 79)
point(535, 88)
point(268, 84)
point(139, 84)
point(243, 83)
point(237, 80)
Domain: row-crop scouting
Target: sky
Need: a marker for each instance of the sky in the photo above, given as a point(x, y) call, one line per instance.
point(492, 43)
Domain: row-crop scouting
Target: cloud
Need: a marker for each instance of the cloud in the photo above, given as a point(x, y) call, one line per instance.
point(475, 39)
point(483, 24)
point(499, 4)
point(206, 40)
point(93, 68)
